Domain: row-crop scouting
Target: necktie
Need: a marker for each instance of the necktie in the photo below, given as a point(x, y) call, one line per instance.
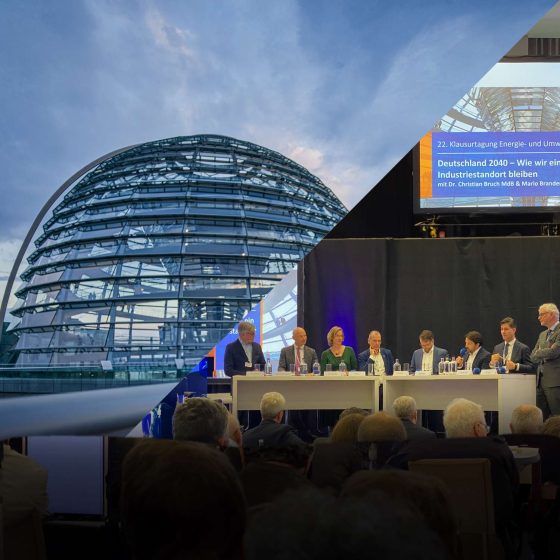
point(548, 334)
point(506, 350)
point(298, 362)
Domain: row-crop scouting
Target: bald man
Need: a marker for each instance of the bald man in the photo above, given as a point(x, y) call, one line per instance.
point(297, 353)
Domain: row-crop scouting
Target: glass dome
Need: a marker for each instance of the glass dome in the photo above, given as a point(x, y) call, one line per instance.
point(157, 252)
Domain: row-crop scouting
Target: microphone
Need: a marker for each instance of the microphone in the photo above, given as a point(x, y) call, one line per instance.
point(476, 370)
point(501, 369)
point(463, 352)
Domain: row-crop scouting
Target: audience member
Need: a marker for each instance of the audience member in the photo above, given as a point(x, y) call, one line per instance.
point(552, 426)
point(23, 486)
point(381, 427)
point(466, 430)
point(353, 410)
point(405, 409)
point(234, 431)
point(271, 432)
point(346, 429)
point(426, 495)
point(526, 419)
point(203, 420)
point(311, 525)
point(175, 495)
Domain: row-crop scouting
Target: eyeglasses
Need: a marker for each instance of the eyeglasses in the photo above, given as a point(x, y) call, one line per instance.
point(486, 427)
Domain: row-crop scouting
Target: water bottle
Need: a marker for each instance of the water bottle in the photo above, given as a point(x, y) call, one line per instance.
point(316, 368)
point(453, 365)
point(397, 365)
point(447, 365)
point(268, 366)
point(342, 367)
point(441, 366)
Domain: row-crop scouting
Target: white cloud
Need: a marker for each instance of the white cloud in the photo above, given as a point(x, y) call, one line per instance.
point(8, 253)
point(310, 158)
point(172, 38)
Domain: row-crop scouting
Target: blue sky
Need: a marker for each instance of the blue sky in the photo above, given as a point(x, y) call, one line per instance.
point(343, 87)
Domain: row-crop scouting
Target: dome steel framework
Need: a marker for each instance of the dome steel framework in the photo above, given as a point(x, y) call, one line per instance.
point(158, 251)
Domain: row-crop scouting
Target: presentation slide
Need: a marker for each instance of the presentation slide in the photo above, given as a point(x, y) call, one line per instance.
point(498, 147)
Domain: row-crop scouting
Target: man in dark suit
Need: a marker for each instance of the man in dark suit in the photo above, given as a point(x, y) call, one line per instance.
point(477, 356)
point(297, 353)
point(546, 354)
point(428, 356)
point(405, 409)
point(381, 358)
point(244, 354)
point(514, 355)
point(271, 432)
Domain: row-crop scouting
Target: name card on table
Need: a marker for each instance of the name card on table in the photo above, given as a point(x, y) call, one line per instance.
point(255, 374)
point(463, 372)
point(334, 374)
point(488, 372)
point(400, 374)
point(423, 373)
point(357, 374)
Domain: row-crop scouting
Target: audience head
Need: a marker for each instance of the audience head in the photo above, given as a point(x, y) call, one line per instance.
point(291, 527)
point(552, 426)
point(548, 314)
point(234, 430)
point(273, 405)
point(526, 419)
point(346, 429)
point(374, 340)
point(352, 410)
point(425, 495)
point(299, 336)
point(473, 340)
point(464, 418)
point(246, 331)
point(170, 511)
point(405, 407)
point(426, 340)
point(201, 419)
point(336, 334)
point(381, 427)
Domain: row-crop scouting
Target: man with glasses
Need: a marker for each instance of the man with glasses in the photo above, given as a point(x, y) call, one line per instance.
point(546, 354)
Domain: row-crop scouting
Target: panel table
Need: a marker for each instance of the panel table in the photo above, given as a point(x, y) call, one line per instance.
point(493, 392)
point(307, 392)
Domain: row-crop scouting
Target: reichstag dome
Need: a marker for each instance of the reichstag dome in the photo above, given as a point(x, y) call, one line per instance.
point(157, 252)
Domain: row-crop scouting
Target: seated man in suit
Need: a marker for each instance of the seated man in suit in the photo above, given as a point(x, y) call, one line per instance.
point(514, 355)
point(477, 356)
point(271, 432)
point(405, 409)
point(244, 354)
point(298, 353)
point(467, 437)
point(428, 356)
point(381, 358)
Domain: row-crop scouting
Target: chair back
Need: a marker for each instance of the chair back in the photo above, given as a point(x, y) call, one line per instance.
point(549, 450)
point(470, 488)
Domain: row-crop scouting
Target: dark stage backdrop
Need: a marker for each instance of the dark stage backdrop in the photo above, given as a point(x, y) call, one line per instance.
point(450, 286)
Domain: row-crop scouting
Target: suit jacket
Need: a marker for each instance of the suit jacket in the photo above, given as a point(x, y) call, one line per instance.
point(546, 354)
point(520, 354)
point(482, 360)
point(364, 360)
point(269, 434)
point(235, 358)
point(413, 431)
point(288, 356)
point(416, 361)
